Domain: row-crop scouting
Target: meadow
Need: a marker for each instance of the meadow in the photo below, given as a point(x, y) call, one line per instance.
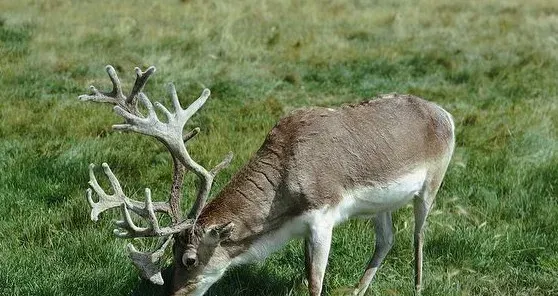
point(492, 64)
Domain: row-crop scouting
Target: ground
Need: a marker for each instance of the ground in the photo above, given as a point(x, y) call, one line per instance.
point(492, 64)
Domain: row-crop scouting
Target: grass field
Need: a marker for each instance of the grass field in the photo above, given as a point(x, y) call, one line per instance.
point(492, 64)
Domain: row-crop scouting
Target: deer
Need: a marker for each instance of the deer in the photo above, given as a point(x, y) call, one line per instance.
point(317, 168)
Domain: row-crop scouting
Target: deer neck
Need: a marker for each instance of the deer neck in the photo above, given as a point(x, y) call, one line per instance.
point(253, 201)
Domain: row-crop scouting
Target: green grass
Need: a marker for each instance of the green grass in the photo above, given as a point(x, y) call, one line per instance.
point(492, 64)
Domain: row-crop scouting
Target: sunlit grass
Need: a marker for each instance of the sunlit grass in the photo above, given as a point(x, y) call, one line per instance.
point(492, 64)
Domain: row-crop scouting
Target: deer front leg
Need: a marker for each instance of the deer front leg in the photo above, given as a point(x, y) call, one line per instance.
point(384, 242)
point(316, 250)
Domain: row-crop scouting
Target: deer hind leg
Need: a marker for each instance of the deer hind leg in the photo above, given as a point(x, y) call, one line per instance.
point(422, 205)
point(383, 227)
point(316, 251)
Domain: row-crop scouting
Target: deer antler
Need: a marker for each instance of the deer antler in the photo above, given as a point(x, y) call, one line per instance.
point(169, 133)
point(116, 96)
point(107, 201)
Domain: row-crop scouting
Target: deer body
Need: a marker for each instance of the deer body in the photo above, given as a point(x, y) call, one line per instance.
point(317, 168)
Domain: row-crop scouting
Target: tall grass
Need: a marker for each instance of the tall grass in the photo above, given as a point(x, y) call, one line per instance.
point(492, 64)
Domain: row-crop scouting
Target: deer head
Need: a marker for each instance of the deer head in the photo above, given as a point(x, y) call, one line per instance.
point(169, 133)
point(201, 258)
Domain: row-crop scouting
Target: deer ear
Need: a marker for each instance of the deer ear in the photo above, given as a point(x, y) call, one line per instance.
point(222, 232)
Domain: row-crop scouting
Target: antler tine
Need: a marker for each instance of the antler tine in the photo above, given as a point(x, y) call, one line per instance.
point(116, 85)
point(149, 263)
point(199, 203)
point(141, 80)
point(191, 134)
point(196, 105)
point(223, 164)
point(115, 96)
point(174, 96)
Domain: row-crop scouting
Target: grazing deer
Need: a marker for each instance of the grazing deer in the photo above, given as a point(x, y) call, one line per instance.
point(317, 168)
